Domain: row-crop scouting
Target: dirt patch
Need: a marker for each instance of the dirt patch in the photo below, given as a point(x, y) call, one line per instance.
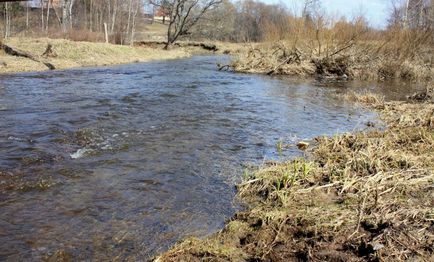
point(366, 196)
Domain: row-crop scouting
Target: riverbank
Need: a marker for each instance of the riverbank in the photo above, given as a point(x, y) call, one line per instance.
point(366, 196)
point(369, 60)
point(70, 54)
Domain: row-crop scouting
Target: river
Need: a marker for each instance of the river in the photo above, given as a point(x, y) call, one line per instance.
point(122, 162)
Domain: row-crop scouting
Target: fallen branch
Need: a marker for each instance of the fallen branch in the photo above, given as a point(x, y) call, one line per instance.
point(14, 52)
point(205, 46)
point(223, 67)
point(278, 66)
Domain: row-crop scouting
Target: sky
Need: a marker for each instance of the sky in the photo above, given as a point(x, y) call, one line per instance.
point(376, 11)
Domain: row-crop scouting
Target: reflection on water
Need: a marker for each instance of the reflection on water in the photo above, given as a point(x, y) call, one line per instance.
point(122, 162)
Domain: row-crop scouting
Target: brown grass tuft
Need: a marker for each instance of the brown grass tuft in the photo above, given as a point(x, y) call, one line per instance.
point(367, 99)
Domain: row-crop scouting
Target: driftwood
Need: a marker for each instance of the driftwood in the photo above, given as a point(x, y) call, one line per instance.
point(292, 57)
point(14, 52)
point(206, 46)
point(223, 67)
point(287, 61)
point(209, 47)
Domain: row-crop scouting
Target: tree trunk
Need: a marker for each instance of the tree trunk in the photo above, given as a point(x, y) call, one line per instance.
point(27, 16)
point(129, 15)
point(7, 21)
point(91, 16)
point(133, 28)
point(42, 16)
point(67, 14)
point(115, 10)
point(106, 33)
point(169, 37)
point(48, 15)
point(71, 3)
point(407, 5)
point(109, 15)
point(168, 46)
point(64, 16)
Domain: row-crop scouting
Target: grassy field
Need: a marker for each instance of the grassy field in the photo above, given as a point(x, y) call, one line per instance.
point(365, 196)
point(70, 54)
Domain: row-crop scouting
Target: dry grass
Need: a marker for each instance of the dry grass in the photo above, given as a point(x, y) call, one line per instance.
point(274, 59)
point(365, 99)
point(79, 54)
point(363, 60)
point(366, 196)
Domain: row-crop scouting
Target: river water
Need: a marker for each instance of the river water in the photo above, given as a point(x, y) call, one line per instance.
point(122, 162)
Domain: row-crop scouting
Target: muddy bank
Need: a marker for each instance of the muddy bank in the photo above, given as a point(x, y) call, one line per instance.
point(66, 54)
point(365, 196)
point(358, 60)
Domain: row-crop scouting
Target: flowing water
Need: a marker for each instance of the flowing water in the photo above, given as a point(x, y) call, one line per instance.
point(122, 162)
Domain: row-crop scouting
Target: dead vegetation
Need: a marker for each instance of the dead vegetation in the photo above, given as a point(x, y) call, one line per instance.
point(424, 96)
point(39, 54)
point(366, 99)
point(18, 53)
point(369, 60)
point(347, 50)
point(367, 196)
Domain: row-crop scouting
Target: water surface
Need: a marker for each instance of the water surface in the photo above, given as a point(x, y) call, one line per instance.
point(122, 162)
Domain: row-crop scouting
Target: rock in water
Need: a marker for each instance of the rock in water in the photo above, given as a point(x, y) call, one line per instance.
point(303, 145)
point(80, 153)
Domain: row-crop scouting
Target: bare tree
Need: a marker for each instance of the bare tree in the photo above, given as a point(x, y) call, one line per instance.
point(130, 6)
point(134, 19)
point(217, 24)
point(7, 15)
point(49, 5)
point(42, 15)
point(115, 11)
point(27, 15)
point(66, 8)
point(412, 14)
point(309, 8)
point(184, 14)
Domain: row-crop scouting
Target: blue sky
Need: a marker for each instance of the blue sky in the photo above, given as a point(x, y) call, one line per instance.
point(376, 11)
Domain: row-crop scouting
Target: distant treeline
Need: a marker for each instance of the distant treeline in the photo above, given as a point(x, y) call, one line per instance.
point(255, 21)
point(240, 21)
